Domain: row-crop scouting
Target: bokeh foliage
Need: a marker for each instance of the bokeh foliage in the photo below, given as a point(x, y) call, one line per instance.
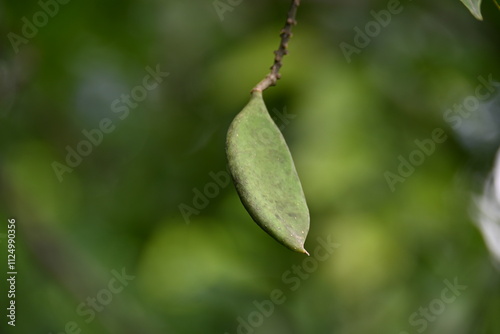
point(119, 208)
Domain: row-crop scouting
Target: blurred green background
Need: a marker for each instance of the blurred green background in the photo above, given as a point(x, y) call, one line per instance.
point(347, 124)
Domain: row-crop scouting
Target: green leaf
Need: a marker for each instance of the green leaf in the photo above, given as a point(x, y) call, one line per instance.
point(475, 8)
point(265, 177)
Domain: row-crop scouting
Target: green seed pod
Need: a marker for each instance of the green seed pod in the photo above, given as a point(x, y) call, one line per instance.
point(265, 177)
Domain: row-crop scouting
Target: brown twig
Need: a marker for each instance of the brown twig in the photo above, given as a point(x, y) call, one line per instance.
point(286, 34)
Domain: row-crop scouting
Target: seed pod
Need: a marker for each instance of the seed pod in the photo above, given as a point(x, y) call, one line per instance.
point(265, 177)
